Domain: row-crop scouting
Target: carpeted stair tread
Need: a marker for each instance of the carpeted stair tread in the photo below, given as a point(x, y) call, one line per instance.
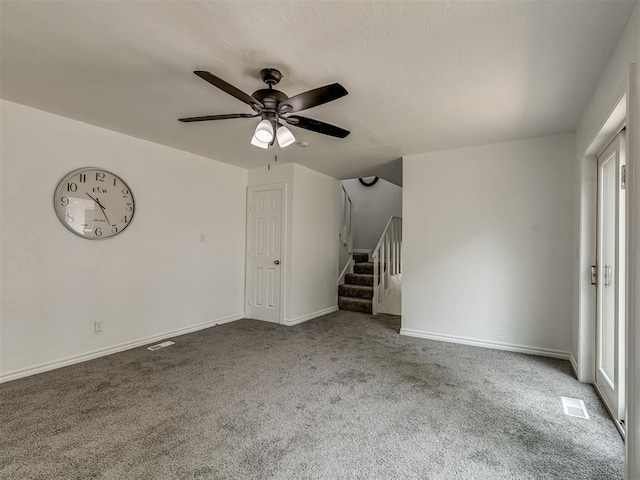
point(366, 268)
point(361, 257)
point(358, 279)
point(355, 291)
point(355, 304)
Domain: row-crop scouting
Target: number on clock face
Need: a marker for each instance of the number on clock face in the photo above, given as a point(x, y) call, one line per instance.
point(94, 203)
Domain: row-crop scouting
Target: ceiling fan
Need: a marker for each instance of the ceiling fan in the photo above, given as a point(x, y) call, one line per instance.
point(275, 107)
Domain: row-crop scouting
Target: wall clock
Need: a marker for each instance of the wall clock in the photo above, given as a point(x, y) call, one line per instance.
point(368, 183)
point(94, 203)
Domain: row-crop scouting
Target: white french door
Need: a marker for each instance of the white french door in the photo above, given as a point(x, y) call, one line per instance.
point(265, 237)
point(610, 279)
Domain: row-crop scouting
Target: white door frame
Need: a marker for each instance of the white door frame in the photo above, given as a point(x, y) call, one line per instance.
point(283, 245)
point(585, 363)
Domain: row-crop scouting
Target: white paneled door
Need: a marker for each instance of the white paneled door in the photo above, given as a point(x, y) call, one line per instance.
point(265, 226)
point(610, 283)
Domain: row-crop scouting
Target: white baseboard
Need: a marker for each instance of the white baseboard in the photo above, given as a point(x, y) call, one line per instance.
point(294, 321)
point(103, 352)
point(509, 347)
point(574, 365)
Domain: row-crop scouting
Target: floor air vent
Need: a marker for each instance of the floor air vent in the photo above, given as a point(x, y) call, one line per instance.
point(574, 407)
point(160, 345)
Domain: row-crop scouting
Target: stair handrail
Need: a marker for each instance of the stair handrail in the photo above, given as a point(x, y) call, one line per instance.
point(346, 234)
point(389, 249)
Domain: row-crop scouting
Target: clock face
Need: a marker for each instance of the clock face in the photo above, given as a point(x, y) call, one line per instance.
point(94, 203)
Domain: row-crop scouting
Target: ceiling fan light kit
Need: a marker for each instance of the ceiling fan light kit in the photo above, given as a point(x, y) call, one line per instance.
point(257, 143)
point(264, 131)
point(272, 105)
point(284, 136)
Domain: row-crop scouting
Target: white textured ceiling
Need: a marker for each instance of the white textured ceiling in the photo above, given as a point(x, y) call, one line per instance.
point(421, 76)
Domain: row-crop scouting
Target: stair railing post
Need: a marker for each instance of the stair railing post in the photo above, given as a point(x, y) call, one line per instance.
point(384, 264)
point(398, 228)
point(394, 262)
point(374, 302)
point(350, 229)
point(396, 243)
point(400, 258)
point(392, 248)
point(387, 260)
point(344, 213)
point(398, 246)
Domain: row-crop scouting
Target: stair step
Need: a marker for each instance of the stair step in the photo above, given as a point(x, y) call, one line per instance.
point(355, 291)
point(361, 257)
point(366, 268)
point(358, 279)
point(355, 304)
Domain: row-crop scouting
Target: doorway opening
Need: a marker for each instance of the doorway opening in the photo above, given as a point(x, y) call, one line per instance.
point(601, 332)
point(370, 258)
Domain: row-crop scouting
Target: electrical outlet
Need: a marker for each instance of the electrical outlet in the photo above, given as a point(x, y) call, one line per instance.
point(97, 326)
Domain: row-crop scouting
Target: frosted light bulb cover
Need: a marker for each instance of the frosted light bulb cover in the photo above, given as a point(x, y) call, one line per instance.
point(264, 131)
point(257, 143)
point(284, 136)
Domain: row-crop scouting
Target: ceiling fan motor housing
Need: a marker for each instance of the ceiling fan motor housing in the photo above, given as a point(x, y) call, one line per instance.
point(269, 98)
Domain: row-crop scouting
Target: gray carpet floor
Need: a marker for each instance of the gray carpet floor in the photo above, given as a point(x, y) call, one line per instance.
point(339, 397)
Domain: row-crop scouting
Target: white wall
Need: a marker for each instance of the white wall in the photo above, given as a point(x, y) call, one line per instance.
point(487, 245)
point(155, 277)
point(372, 208)
point(314, 247)
point(611, 86)
point(613, 82)
point(312, 225)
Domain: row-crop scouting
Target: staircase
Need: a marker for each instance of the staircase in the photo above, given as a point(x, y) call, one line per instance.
point(356, 294)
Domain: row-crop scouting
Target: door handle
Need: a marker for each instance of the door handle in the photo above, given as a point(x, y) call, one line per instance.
point(607, 276)
point(276, 262)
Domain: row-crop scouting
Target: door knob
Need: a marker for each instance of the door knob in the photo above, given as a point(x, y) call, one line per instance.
point(276, 262)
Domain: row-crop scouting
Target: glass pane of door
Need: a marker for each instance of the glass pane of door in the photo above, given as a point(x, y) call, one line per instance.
point(607, 269)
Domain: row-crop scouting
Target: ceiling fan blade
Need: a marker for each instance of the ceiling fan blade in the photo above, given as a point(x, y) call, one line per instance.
point(312, 98)
point(217, 117)
point(316, 126)
point(230, 89)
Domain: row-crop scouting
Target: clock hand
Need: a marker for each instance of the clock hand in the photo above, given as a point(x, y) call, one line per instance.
point(101, 207)
point(103, 211)
point(92, 198)
point(99, 204)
